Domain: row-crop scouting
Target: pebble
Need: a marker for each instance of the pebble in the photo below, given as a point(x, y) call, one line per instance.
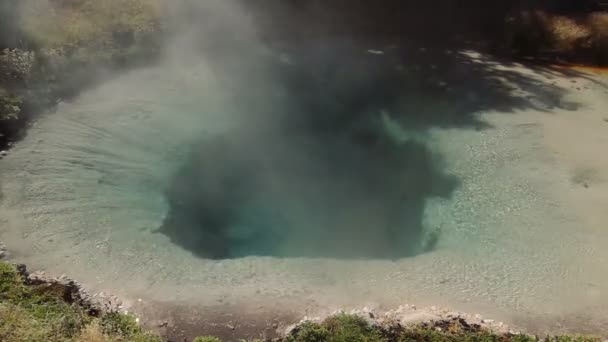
point(3, 251)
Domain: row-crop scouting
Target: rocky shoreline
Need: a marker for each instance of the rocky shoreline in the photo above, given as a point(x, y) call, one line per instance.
point(408, 315)
point(73, 292)
point(171, 323)
point(99, 304)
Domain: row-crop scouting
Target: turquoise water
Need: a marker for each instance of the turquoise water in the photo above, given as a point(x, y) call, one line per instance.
point(338, 179)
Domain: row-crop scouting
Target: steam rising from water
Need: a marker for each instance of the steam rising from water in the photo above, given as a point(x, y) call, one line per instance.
point(243, 152)
point(231, 148)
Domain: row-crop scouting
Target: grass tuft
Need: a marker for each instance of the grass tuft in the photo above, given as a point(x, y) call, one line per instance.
point(339, 328)
point(207, 339)
point(41, 313)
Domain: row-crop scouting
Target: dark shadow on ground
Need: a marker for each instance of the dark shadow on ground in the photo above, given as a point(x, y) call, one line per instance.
point(342, 168)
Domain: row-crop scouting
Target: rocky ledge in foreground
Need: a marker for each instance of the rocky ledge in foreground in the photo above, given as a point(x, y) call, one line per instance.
point(411, 315)
point(71, 292)
point(35, 307)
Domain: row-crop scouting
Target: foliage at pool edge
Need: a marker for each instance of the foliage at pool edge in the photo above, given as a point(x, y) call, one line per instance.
point(39, 313)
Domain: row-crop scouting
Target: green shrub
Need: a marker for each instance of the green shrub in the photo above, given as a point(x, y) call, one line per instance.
point(10, 106)
point(114, 323)
point(350, 328)
point(40, 313)
point(309, 332)
point(124, 326)
point(91, 31)
point(207, 339)
point(339, 328)
point(31, 313)
point(16, 64)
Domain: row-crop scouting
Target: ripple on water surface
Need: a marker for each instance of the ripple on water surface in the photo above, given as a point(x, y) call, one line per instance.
point(176, 190)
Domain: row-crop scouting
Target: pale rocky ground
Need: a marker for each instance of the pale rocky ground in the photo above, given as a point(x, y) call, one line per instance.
point(523, 238)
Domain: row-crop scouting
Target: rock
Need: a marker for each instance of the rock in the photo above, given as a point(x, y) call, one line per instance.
point(375, 52)
point(3, 153)
point(488, 321)
point(71, 291)
point(3, 251)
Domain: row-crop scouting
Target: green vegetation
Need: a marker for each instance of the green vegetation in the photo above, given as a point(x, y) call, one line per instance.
point(339, 328)
point(41, 313)
point(207, 339)
point(44, 312)
point(343, 328)
point(89, 31)
point(52, 49)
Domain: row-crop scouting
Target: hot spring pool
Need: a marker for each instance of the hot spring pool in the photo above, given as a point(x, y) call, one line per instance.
point(481, 189)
